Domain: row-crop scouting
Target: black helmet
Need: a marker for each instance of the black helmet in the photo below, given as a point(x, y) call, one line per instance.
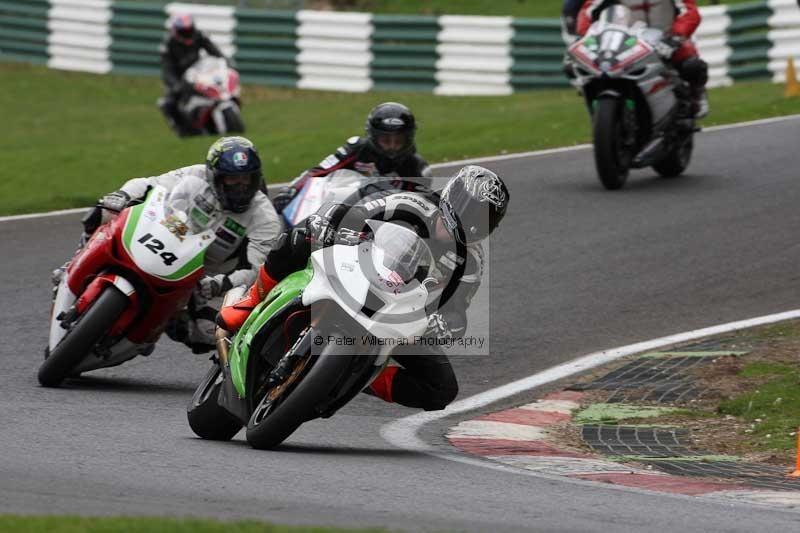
point(232, 157)
point(182, 28)
point(389, 119)
point(473, 203)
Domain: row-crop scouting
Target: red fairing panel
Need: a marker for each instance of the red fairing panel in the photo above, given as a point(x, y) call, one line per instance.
point(104, 257)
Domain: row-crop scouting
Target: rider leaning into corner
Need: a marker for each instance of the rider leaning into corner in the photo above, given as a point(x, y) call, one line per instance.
point(228, 188)
point(454, 222)
point(179, 51)
point(678, 19)
point(387, 150)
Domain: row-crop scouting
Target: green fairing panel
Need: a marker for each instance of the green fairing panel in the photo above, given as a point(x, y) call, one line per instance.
point(283, 293)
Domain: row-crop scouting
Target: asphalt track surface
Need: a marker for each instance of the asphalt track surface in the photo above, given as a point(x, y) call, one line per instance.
point(574, 269)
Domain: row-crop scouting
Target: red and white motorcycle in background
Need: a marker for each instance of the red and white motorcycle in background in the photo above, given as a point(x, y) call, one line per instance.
point(213, 107)
point(121, 289)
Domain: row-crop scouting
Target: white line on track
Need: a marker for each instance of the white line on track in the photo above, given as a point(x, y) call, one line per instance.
point(444, 164)
point(403, 433)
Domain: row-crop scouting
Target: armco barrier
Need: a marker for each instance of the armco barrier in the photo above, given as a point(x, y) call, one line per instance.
point(266, 47)
point(404, 52)
point(23, 30)
point(136, 31)
point(449, 55)
point(538, 51)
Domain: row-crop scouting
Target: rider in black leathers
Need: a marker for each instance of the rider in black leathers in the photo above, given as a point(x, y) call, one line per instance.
point(179, 51)
point(388, 150)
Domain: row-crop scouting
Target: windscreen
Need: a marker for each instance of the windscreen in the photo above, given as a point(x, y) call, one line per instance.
point(614, 16)
point(192, 207)
point(397, 252)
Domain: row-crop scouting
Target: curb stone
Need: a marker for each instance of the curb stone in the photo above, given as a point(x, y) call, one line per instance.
point(521, 437)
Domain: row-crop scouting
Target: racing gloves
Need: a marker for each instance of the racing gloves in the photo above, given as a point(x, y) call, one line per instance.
point(212, 286)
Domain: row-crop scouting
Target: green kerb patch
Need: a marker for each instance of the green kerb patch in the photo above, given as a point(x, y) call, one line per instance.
point(667, 355)
point(612, 413)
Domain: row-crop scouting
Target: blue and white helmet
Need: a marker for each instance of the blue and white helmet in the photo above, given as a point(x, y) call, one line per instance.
point(234, 156)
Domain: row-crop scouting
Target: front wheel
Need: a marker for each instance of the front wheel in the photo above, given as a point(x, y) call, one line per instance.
point(612, 157)
point(287, 405)
point(233, 120)
point(206, 417)
point(677, 160)
point(84, 335)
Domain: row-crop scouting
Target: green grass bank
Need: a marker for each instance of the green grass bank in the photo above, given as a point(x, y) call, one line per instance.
point(73, 136)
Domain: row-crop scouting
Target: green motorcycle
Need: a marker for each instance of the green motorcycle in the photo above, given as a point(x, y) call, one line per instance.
point(318, 339)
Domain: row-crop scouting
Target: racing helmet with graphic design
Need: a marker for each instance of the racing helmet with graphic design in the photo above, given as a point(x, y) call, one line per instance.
point(473, 203)
point(234, 169)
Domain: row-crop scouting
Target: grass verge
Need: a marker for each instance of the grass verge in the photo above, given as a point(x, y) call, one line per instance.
point(73, 524)
point(72, 136)
point(772, 409)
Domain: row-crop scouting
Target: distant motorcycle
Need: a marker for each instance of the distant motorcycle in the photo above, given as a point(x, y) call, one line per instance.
point(340, 186)
point(213, 105)
point(120, 290)
point(337, 186)
point(640, 107)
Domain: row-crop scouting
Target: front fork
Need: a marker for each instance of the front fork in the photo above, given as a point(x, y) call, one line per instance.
point(223, 336)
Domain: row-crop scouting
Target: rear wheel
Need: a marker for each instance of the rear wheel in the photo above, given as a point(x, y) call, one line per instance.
point(233, 120)
point(88, 329)
point(676, 162)
point(288, 404)
point(206, 417)
point(612, 157)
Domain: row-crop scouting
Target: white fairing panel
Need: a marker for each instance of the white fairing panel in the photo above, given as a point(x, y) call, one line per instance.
point(339, 276)
point(63, 301)
point(160, 243)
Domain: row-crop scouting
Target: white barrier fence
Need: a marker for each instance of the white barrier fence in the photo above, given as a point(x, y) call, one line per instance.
point(712, 43)
point(79, 35)
point(784, 33)
point(464, 55)
point(334, 51)
point(475, 55)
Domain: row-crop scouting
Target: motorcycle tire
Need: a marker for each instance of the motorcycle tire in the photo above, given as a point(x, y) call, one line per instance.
point(206, 417)
point(676, 162)
point(88, 329)
point(233, 121)
point(612, 169)
point(298, 403)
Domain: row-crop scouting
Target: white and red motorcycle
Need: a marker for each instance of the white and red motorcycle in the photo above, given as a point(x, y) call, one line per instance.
point(213, 107)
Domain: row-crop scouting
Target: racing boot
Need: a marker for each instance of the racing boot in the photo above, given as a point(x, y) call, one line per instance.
point(700, 105)
point(381, 386)
point(231, 317)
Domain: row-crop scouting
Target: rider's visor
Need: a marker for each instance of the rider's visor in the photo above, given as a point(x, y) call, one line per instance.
point(243, 180)
point(392, 143)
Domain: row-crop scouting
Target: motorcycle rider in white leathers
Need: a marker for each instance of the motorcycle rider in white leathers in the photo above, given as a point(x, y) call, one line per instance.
point(229, 189)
